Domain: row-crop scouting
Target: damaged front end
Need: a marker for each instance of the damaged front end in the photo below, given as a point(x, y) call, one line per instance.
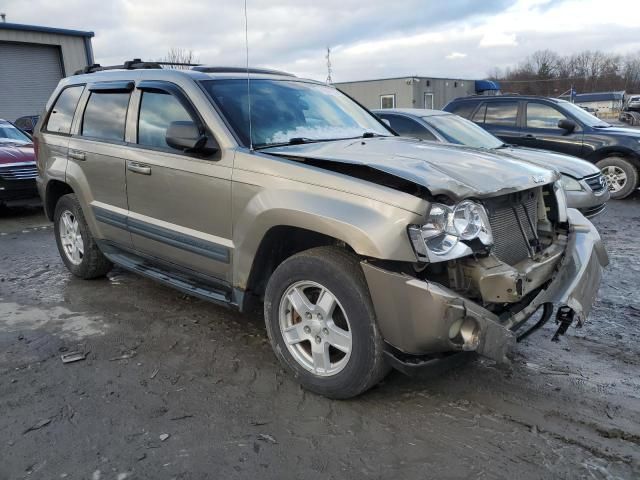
point(535, 255)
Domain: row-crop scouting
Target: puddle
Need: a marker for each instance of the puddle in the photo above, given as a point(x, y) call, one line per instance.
point(62, 321)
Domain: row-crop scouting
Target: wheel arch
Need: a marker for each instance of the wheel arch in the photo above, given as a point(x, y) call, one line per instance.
point(54, 191)
point(616, 151)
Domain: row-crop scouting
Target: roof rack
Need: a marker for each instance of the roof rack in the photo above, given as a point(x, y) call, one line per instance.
point(135, 64)
point(268, 71)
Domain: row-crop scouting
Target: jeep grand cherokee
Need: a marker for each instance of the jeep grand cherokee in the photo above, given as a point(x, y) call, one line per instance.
point(367, 250)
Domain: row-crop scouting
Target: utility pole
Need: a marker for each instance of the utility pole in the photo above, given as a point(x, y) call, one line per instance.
point(328, 57)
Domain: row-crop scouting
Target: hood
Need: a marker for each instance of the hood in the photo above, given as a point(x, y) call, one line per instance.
point(455, 171)
point(16, 153)
point(619, 131)
point(566, 164)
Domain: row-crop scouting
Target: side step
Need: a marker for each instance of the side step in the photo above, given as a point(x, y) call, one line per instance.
point(184, 283)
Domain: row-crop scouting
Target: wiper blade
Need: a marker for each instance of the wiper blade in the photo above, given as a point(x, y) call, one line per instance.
point(292, 141)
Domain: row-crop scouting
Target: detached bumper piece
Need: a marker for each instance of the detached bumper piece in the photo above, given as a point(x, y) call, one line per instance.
point(419, 317)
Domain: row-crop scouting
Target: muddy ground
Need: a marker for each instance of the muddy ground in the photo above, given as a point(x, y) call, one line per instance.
point(161, 363)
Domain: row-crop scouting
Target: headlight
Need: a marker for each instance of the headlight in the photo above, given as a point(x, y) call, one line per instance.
point(442, 237)
point(570, 184)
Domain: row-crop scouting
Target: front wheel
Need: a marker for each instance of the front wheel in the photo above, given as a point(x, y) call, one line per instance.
point(321, 323)
point(621, 176)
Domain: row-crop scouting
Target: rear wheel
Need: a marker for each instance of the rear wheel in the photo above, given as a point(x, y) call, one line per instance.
point(76, 245)
point(321, 323)
point(621, 176)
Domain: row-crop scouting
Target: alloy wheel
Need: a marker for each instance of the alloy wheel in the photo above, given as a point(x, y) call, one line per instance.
point(71, 238)
point(315, 328)
point(616, 178)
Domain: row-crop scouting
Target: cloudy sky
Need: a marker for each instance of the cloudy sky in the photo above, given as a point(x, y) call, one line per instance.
point(369, 39)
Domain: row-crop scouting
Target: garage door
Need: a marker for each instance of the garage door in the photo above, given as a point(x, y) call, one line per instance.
point(28, 75)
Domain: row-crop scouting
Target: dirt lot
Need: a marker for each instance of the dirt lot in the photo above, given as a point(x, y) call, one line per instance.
point(161, 363)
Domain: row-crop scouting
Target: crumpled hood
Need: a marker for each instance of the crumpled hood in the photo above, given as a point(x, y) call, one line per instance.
point(456, 171)
point(16, 153)
point(573, 166)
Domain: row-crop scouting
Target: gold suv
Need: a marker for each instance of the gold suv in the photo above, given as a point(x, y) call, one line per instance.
point(368, 250)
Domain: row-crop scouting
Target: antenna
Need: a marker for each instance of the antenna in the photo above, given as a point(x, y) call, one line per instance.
point(246, 45)
point(328, 57)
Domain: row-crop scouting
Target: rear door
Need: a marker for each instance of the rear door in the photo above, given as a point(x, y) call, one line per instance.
point(179, 203)
point(97, 150)
point(501, 119)
point(541, 130)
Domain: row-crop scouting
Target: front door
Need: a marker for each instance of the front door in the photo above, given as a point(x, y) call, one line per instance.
point(179, 203)
point(541, 130)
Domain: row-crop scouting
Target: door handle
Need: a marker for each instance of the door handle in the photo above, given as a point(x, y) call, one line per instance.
point(529, 137)
point(139, 168)
point(77, 155)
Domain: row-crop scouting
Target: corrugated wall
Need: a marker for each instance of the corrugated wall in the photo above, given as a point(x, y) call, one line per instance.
point(74, 55)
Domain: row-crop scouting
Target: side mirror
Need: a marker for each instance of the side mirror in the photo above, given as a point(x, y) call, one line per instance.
point(184, 135)
point(567, 125)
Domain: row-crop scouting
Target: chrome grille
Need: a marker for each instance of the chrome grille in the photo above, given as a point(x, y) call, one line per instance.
point(596, 182)
point(511, 218)
point(19, 171)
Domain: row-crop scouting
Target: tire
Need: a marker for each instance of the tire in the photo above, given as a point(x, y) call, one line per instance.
point(88, 261)
point(621, 175)
point(336, 273)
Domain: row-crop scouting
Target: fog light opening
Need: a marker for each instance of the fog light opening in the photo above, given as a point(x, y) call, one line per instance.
point(466, 333)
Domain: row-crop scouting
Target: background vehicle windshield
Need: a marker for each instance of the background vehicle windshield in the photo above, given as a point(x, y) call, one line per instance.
point(286, 109)
point(10, 134)
point(456, 129)
point(583, 116)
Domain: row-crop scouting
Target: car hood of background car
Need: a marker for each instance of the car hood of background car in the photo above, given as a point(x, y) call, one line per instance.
point(11, 152)
point(455, 171)
point(572, 166)
point(619, 131)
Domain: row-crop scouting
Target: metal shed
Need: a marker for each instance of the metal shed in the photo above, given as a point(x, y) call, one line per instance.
point(32, 61)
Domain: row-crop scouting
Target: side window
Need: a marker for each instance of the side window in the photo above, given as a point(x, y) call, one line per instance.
point(540, 115)
point(478, 117)
point(501, 113)
point(408, 128)
point(464, 109)
point(62, 112)
point(105, 115)
point(157, 112)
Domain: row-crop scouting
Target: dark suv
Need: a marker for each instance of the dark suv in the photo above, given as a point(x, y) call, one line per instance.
point(561, 126)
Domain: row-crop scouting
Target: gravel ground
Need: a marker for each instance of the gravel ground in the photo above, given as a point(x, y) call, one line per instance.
point(173, 387)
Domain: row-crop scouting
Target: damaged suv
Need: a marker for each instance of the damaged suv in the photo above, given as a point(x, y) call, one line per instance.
point(368, 250)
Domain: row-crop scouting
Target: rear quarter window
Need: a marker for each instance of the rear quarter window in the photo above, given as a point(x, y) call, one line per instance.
point(62, 112)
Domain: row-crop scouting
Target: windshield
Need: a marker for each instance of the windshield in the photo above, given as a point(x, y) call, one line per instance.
point(10, 134)
point(582, 115)
point(289, 111)
point(459, 130)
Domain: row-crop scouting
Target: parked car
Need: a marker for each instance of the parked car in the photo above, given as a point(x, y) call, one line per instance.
point(17, 165)
point(585, 186)
point(560, 126)
point(27, 123)
point(367, 250)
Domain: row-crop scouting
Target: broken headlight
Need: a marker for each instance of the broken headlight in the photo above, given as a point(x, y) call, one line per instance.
point(447, 230)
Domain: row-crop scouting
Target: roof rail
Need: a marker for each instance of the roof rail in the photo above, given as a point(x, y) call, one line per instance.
point(135, 64)
point(268, 71)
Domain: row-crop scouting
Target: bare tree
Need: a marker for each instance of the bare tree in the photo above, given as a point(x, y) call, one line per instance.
point(179, 55)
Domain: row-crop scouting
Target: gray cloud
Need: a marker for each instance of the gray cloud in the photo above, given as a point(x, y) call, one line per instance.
point(369, 39)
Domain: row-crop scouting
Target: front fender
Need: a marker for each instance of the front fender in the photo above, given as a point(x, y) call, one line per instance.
point(370, 227)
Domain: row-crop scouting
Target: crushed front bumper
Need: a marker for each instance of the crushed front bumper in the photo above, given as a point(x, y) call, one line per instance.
point(420, 317)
